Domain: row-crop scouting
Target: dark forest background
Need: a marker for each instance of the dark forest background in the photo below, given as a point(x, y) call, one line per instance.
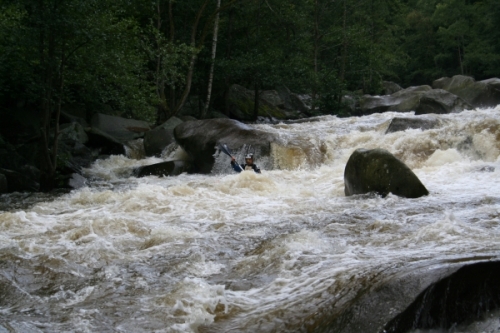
point(144, 59)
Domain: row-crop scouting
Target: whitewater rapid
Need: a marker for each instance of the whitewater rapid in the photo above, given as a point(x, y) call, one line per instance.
point(283, 251)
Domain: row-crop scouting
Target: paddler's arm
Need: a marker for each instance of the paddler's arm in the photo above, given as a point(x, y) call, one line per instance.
point(235, 165)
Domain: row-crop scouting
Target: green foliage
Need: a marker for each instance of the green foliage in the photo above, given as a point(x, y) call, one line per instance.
point(129, 56)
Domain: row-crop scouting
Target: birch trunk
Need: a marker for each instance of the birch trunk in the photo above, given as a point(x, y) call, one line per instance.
point(212, 63)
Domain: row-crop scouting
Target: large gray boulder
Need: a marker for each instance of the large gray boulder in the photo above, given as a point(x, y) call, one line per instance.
point(390, 87)
point(379, 171)
point(467, 295)
point(402, 101)
point(424, 122)
point(484, 93)
point(121, 129)
point(441, 102)
point(73, 131)
point(421, 99)
point(240, 104)
point(158, 138)
point(107, 144)
point(294, 102)
point(200, 139)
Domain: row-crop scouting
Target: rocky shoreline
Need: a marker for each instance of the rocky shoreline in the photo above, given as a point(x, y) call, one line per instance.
point(82, 142)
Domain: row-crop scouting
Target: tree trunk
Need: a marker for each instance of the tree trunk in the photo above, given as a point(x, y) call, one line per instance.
point(212, 62)
point(314, 92)
point(161, 109)
point(460, 57)
point(189, 76)
point(344, 44)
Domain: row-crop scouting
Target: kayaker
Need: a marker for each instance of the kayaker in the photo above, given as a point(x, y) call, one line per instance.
point(249, 165)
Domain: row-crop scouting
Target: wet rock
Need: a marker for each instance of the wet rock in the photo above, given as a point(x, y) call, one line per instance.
point(26, 179)
point(406, 297)
point(390, 87)
point(402, 101)
point(301, 103)
point(284, 94)
point(157, 139)
point(73, 132)
point(440, 101)
point(169, 168)
point(486, 168)
point(200, 138)
point(121, 129)
point(379, 171)
point(240, 103)
point(421, 99)
point(484, 93)
point(77, 181)
point(107, 144)
point(75, 156)
point(465, 296)
point(404, 123)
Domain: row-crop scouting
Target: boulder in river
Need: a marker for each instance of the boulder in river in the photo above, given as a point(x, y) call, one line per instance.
point(441, 102)
point(157, 139)
point(402, 101)
point(485, 93)
point(121, 129)
point(421, 99)
point(390, 87)
point(377, 170)
point(199, 139)
point(423, 122)
point(107, 144)
point(240, 103)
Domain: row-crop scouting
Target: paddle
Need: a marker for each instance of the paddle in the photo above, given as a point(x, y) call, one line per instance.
point(225, 149)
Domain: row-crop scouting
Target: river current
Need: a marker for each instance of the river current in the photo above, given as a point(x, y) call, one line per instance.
point(283, 251)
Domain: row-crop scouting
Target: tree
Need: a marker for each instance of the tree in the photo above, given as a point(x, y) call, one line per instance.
point(212, 62)
point(63, 50)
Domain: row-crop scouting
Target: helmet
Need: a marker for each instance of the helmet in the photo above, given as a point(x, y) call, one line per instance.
point(249, 156)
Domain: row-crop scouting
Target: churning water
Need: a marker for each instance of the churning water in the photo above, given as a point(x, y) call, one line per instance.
point(283, 251)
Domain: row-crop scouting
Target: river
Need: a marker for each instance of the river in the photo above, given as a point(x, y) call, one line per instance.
point(283, 251)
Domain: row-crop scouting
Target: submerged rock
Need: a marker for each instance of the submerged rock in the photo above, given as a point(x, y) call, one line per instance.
point(169, 168)
point(379, 171)
point(404, 123)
